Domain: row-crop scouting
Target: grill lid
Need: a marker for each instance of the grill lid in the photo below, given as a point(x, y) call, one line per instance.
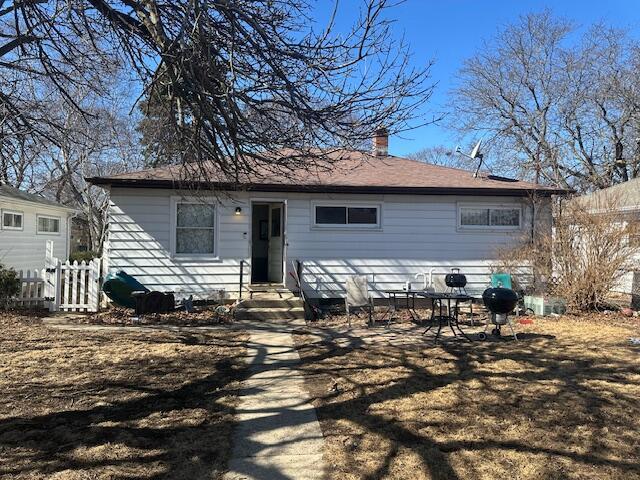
point(500, 300)
point(455, 279)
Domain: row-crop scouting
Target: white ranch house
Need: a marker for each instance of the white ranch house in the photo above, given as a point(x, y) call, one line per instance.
point(28, 221)
point(375, 214)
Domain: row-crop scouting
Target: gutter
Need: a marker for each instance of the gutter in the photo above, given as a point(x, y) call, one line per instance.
point(380, 190)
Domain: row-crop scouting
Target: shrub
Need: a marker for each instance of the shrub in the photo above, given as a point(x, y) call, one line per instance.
point(80, 256)
point(582, 260)
point(9, 286)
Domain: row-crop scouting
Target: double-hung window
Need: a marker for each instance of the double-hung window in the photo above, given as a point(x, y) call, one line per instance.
point(48, 225)
point(195, 229)
point(12, 220)
point(489, 217)
point(347, 216)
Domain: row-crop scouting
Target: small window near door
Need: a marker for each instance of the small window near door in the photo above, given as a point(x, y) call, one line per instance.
point(11, 220)
point(195, 229)
point(48, 225)
point(360, 216)
point(331, 215)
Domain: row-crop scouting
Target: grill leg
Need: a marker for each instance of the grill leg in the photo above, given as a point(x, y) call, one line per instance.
point(512, 330)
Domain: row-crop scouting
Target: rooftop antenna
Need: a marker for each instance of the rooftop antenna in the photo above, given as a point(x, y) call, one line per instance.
point(475, 153)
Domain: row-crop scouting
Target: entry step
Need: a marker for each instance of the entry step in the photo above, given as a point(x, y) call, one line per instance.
point(279, 291)
point(270, 313)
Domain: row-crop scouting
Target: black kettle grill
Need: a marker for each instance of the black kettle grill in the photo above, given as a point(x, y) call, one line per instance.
point(455, 280)
point(500, 302)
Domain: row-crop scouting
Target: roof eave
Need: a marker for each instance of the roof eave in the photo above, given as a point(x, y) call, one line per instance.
point(370, 189)
point(40, 204)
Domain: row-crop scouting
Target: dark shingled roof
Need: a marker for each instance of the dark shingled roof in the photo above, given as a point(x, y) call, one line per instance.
point(12, 192)
point(351, 172)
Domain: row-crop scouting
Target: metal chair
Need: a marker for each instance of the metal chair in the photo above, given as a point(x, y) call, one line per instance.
point(357, 288)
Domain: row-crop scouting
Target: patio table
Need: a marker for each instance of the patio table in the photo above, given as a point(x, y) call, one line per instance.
point(401, 299)
point(449, 319)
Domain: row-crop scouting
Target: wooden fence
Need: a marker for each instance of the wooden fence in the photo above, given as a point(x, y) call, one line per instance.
point(78, 286)
point(70, 287)
point(32, 289)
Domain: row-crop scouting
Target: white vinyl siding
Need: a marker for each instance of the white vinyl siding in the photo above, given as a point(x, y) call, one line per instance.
point(416, 234)
point(142, 241)
point(48, 225)
point(24, 248)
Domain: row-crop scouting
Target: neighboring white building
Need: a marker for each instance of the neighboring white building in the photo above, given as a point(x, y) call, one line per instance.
point(384, 216)
point(625, 198)
point(27, 221)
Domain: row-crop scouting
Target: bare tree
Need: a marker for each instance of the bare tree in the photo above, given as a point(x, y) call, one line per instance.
point(220, 65)
point(445, 156)
point(554, 111)
point(106, 146)
point(600, 114)
point(584, 258)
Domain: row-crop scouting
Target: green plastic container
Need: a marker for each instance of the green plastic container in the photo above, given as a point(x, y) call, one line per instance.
point(119, 286)
point(501, 280)
point(543, 306)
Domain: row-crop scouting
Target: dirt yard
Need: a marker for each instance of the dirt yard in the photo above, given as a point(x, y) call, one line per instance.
point(115, 404)
point(562, 403)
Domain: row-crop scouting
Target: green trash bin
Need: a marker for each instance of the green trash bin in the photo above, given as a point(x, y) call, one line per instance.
point(119, 286)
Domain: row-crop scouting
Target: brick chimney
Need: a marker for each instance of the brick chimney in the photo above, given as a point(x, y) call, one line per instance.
point(381, 142)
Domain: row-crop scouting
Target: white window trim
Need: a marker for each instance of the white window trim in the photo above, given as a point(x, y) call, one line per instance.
point(51, 217)
point(345, 226)
point(175, 200)
point(13, 212)
point(490, 206)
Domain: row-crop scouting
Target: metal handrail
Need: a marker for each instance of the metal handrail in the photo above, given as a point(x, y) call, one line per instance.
point(241, 278)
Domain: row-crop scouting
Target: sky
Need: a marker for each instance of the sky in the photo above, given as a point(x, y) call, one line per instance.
point(448, 31)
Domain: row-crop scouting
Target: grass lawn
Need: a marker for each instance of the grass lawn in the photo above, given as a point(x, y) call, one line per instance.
point(562, 403)
point(115, 404)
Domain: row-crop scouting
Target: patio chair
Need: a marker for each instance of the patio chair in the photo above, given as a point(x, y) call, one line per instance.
point(501, 280)
point(439, 285)
point(357, 287)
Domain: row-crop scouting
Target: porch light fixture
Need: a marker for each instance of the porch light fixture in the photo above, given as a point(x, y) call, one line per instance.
point(238, 210)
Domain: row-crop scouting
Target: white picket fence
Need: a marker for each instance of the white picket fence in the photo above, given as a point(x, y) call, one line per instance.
point(32, 289)
point(70, 287)
point(79, 286)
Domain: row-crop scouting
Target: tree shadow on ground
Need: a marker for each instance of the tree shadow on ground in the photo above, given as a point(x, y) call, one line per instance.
point(537, 408)
point(122, 406)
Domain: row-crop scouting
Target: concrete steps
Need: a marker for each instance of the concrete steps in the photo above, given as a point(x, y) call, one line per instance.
point(271, 303)
point(270, 314)
point(272, 306)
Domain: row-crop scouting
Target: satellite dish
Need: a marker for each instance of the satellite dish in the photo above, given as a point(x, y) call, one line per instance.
point(475, 154)
point(476, 150)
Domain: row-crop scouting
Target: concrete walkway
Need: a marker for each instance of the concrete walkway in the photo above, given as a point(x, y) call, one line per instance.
point(278, 435)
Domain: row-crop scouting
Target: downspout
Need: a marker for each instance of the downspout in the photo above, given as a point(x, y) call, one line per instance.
point(533, 218)
point(70, 218)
